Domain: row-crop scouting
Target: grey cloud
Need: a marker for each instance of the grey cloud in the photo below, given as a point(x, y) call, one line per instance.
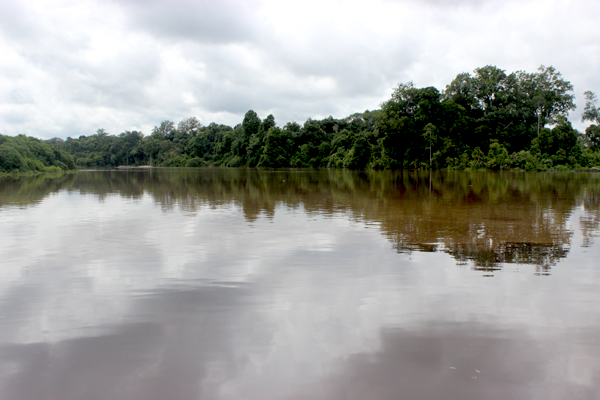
point(15, 117)
point(18, 22)
point(452, 3)
point(286, 78)
point(19, 96)
point(34, 31)
point(114, 82)
point(206, 21)
point(357, 70)
point(355, 67)
point(121, 82)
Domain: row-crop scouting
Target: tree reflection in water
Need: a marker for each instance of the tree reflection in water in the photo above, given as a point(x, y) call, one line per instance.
point(486, 218)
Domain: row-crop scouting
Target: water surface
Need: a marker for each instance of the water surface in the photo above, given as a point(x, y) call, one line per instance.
point(246, 284)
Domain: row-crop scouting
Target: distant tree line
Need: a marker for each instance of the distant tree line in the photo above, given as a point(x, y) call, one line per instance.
point(489, 119)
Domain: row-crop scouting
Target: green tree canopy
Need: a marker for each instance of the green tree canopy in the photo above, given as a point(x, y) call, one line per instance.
point(590, 112)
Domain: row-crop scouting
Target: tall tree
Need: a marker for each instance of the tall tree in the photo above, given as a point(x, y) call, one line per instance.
point(251, 123)
point(401, 122)
point(490, 100)
point(548, 94)
point(189, 126)
point(166, 130)
point(268, 123)
point(591, 112)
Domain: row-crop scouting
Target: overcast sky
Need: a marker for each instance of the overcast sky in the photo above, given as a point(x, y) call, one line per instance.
point(70, 67)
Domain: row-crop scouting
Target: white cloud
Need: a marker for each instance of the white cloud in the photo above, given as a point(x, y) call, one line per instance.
point(69, 68)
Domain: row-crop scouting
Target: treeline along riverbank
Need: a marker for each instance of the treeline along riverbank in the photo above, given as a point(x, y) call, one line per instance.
point(25, 154)
point(489, 119)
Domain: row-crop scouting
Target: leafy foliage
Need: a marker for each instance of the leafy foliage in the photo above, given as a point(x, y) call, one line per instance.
point(27, 154)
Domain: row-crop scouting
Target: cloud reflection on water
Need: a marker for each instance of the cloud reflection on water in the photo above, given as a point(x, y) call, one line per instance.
point(234, 284)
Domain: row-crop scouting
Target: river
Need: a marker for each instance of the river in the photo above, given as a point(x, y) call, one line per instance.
point(295, 284)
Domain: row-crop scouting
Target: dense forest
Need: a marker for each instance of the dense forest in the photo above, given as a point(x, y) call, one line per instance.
point(28, 154)
point(489, 119)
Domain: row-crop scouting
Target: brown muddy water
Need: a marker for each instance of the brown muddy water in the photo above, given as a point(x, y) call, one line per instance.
point(246, 284)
